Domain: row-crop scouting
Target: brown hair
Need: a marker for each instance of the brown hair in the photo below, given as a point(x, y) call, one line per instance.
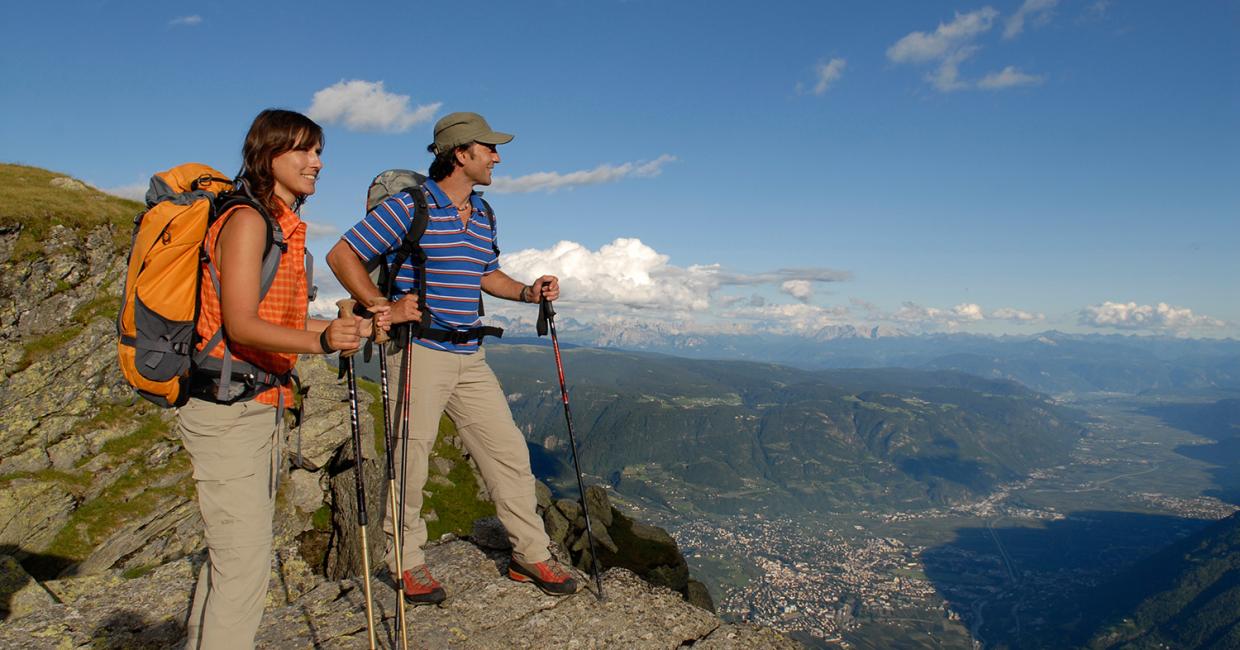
point(274, 131)
point(445, 162)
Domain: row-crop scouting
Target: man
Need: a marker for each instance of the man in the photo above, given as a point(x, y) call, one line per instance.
point(448, 364)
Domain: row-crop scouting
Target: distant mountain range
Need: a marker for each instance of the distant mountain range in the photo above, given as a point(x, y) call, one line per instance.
point(727, 436)
point(1051, 362)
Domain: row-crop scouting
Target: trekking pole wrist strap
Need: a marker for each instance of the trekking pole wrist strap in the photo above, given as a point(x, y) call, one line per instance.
point(327, 348)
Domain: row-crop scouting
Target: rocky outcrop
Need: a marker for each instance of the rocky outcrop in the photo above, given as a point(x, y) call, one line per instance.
point(484, 610)
point(648, 551)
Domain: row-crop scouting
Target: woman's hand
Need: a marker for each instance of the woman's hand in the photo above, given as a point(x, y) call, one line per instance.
point(344, 333)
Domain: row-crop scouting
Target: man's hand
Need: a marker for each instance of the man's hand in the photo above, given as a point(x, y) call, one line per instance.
point(405, 310)
point(548, 286)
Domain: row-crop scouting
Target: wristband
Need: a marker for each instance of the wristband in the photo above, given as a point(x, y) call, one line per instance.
point(327, 348)
point(529, 288)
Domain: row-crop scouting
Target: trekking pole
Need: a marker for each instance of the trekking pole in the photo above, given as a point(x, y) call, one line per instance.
point(546, 318)
point(346, 363)
point(389, 441)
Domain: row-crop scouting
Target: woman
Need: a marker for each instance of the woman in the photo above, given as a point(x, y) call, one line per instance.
point(233, 436)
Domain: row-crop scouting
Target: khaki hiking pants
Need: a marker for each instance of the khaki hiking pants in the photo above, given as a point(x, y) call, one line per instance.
point(463, 386)
point(232, 447)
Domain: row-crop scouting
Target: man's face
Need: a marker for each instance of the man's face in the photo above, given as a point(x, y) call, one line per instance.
point(477, 162)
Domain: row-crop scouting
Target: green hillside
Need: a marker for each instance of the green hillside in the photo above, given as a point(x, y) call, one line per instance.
point(1185, 596)
point(37, 200)
point(727, 436)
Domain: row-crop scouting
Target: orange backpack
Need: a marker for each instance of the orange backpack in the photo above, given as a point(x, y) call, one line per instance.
point(156, 323)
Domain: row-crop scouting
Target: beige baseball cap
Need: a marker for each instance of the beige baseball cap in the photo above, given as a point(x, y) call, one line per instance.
point(457, 129)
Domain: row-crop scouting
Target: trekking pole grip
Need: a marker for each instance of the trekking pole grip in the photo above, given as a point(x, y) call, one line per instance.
point(345, 305)
point(546, 313)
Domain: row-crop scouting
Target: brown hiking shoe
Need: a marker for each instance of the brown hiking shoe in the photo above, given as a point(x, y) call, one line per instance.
point(548, 576)
point(420, 587)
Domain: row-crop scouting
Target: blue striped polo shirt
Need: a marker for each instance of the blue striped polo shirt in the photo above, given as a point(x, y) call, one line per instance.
point(456, 257)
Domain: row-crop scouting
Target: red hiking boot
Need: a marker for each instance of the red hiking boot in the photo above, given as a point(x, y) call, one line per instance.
point(421, 588)
point(548, 576)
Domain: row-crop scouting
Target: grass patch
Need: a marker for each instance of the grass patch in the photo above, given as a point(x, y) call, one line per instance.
point(138, 571)
point(322, 519)
point(103, 306)
point(28, 199)
point(125, 500)
point(151, 428)
point(74, 482)
point(457, 506)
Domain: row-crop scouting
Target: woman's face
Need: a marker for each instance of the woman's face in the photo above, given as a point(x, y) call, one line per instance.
point(296, 172)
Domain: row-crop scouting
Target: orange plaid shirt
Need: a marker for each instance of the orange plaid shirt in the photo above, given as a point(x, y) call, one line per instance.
point(285, 304)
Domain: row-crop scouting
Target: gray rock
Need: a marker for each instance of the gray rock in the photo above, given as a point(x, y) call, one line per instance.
point(70, 184)
point(570, 508)
point(440, 465)
point(557, 526)
point(325, 426)
point(305, 492)
point(543, 494)
point(489, 533)
point(697, 594)
point(20, 594)
point(598, 504)
point(440, 480)
point(744, 636)
point(150, 539)
point(344, 557)
point(31, 512)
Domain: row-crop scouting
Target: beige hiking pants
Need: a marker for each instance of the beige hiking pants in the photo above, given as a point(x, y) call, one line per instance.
point(463, 386)
point(231, 447)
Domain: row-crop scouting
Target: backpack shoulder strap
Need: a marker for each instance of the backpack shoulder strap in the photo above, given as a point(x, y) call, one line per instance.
point(226, 205)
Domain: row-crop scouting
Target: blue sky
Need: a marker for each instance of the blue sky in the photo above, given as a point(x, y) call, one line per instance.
point(980, 167)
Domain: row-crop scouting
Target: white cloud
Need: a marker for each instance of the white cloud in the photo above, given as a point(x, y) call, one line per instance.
point(625, 272)
point(920, 47)
point(185, 21)
point(1037, 10)
point(1009, 77)
point(946, 77)
point(319, 230)
point(366, 106)
point(794, 318)
point(552, 181)
point(1160, 317)
point(628, 277)
point(134, 191)
point(949, 45)
point(1017, 315)
point(934, 317)
point(800, 289)
point(828, 73)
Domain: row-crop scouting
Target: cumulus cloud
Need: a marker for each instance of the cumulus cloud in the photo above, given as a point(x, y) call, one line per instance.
point(1009, 77)
point(1037, 10)
point(800, 289)
point(1017, 315)
point(1131, 316)
point(631, 277)
point(366, 106)
point(827, 74)
point(920, 47)
point(185, 21)
point(552, 181)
